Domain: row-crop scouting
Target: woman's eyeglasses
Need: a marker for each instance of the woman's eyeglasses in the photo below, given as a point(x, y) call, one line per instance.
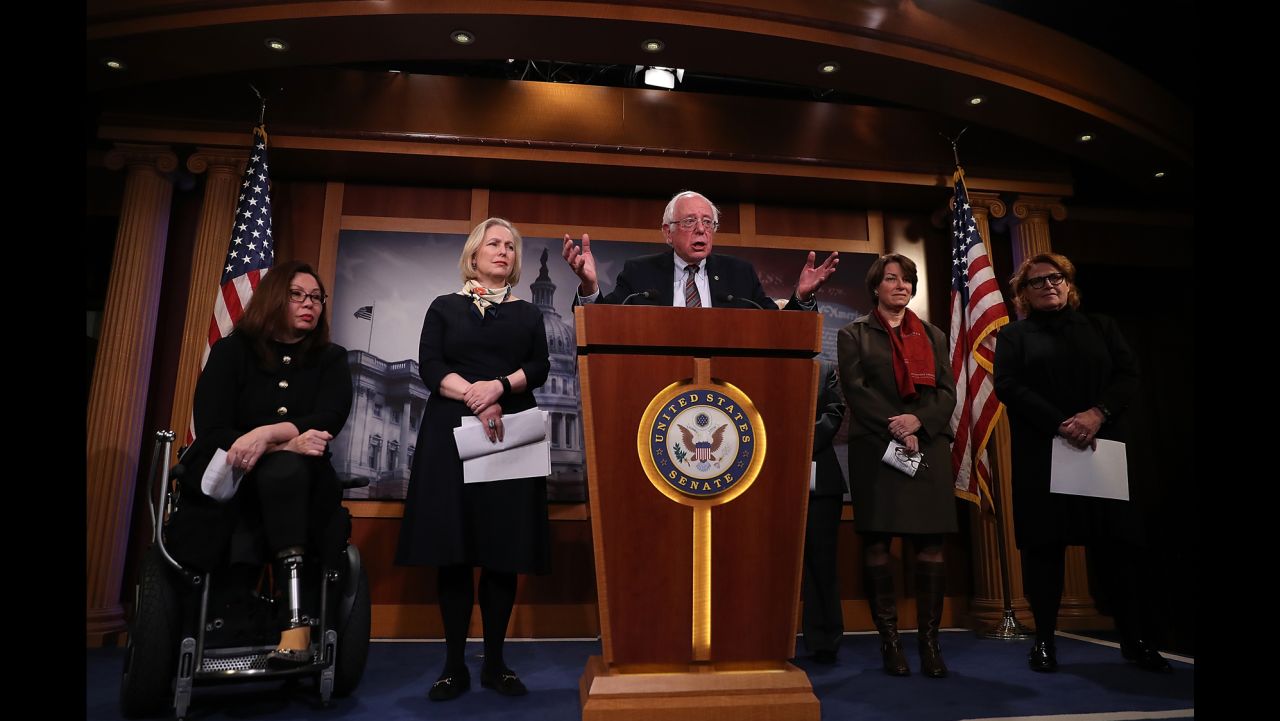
point(297, 296)
point(1053, 279)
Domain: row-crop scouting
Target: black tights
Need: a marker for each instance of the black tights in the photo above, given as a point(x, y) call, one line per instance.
point(1116, 571)
point(497, 597)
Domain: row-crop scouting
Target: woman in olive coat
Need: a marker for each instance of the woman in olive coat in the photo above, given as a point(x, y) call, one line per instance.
point(896, 376)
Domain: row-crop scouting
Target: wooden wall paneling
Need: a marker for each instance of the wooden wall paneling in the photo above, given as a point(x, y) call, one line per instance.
point(833, 223)
point(326, 263)
point(552, 208)
point(297, 219)
point(398, 201)
point(479, 206)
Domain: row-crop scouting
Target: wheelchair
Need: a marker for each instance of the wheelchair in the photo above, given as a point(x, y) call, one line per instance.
point(191, 629)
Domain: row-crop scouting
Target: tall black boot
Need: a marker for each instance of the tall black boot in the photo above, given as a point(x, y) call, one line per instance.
point(931, 578)
point(878, 583)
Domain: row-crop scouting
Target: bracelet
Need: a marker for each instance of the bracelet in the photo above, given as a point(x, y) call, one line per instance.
point(506, 384)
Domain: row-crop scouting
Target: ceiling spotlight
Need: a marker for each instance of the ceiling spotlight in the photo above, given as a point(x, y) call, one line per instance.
point(1084, 138)
point(1158, 174)
point(113, 63)
point(277, 45)
point(661, 77)
point(829, 68)
point(976, 100)
point(462, 37)
point(652, 45)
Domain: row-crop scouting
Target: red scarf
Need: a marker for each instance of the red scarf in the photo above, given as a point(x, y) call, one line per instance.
point(912, 354)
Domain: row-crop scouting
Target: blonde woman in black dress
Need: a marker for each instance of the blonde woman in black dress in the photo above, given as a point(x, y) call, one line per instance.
point(482, 353)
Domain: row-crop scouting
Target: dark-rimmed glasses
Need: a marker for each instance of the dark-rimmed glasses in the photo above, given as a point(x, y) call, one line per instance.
point(1053, 279)
point(907, 458)
point(297, 296)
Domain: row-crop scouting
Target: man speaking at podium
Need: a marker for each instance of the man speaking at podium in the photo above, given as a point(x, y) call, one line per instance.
point(687, 276)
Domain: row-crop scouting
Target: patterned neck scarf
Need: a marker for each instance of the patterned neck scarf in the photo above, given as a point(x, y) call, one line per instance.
point(482, 297)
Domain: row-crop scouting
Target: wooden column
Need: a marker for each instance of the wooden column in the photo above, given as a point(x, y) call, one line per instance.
point(212, 237)
point(118, 393)
point(1030, 235)
point(1030, 229)
point(988, 595)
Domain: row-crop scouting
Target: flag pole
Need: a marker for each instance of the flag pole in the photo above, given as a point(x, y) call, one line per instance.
point(262, 104)
point(368, 346)
point(1008, 628)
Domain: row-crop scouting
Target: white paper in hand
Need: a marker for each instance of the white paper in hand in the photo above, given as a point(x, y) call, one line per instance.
point(897, 456)
point(505, 460)
point(220, 480)
point(1103, 473)
point(519, 429)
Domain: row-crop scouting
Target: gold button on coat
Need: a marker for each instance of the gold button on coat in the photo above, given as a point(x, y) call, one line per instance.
point(281, 411)
point(283, 384)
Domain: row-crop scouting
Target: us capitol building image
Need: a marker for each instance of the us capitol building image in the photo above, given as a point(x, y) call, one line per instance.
point(378, 441)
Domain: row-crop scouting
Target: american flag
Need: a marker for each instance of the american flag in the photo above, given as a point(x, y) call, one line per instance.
point(977, 311)
point(250, 252)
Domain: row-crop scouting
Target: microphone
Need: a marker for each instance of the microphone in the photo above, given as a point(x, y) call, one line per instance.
point(646, 294)
point(731, 298)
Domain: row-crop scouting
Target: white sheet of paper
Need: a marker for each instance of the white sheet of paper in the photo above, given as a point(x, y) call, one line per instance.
point(1103, 473)
point(220, 480)
point(518, 429)
point(523, 462)
point(505, 460)
point(813, 476)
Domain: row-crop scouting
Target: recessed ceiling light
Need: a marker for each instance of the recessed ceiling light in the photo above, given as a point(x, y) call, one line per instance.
point(652, 45)
point(277, 45)
point(1084, 138)
point(393, 70)
point(1158, 174)
point(828, 68)
point(976, 100)
point(462, 37)
point(113, 63)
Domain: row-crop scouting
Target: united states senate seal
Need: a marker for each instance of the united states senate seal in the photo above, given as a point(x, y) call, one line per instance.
point(701, 442)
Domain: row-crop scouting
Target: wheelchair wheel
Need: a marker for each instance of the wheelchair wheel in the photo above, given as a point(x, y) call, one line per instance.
point(353, 639)
point(150, 661)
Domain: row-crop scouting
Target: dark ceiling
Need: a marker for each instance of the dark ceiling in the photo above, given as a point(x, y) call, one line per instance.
point(188, 42)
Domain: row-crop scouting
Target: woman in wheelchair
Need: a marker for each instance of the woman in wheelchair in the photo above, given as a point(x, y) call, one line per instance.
point(272, 396)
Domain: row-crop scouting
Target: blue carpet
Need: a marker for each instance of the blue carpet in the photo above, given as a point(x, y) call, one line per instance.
point(989, 679)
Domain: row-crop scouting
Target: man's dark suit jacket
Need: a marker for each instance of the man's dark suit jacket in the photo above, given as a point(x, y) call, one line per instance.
point(830, 479)
point(725, 274)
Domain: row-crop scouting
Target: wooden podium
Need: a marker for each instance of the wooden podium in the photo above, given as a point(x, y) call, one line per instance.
point(699, 534)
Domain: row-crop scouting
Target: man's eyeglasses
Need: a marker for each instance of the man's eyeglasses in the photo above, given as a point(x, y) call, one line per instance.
point(690, 222)
point(297, 296)
point(1053, 279)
